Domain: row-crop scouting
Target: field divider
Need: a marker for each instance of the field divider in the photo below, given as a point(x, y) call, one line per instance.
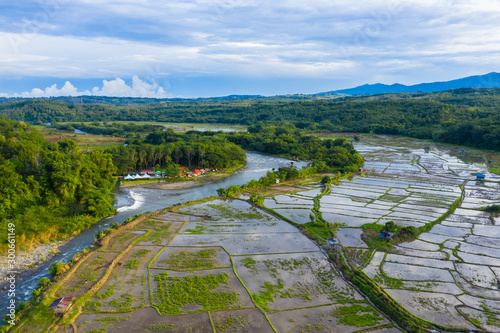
point(270, 254)
point(248, 291)
point(211, 322)
point(309, 307)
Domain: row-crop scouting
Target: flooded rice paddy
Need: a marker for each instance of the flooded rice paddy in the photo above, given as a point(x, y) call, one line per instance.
point(225, 265)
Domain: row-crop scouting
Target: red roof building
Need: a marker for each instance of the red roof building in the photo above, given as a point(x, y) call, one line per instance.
point(61, 305)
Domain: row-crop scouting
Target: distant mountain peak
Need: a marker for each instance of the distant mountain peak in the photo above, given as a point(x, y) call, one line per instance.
point(490, 80)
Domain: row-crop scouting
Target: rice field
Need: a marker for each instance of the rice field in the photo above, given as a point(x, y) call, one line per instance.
point(450, 274)
point(225, 265)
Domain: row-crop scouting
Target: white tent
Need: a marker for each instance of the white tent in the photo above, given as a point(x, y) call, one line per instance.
point(137, 176)
point(146, 176)
point(128, 177)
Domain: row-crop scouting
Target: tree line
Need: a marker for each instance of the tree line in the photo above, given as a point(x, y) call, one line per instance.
point(168, 150)
point(461, 116)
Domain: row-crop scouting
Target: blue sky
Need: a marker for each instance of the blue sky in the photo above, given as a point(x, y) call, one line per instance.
point(201, 48)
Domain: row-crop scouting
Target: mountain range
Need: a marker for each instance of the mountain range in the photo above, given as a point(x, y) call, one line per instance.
point(490, 80)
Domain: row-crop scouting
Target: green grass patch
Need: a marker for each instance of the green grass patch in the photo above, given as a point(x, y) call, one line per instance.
point(232, 323)
point(109, 292)
point(199, 229)
point(357, 315)
point(160, 231)
point(269, 293)
point(123, 302)
point(92, 306)
point(227, 212)
point(174, 293)
point(250, 263)
point(191, 260)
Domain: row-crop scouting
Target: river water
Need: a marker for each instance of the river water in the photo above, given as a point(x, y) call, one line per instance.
point(132, 201)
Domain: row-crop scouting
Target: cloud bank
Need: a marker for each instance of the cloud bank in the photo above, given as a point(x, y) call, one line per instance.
point(112, 88)
point(342, 43)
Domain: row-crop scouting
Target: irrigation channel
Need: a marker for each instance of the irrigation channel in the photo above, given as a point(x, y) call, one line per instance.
point(136, 200)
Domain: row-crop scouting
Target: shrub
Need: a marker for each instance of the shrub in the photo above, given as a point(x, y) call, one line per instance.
point(326, 180)
point(58, 268)
point(391, 226)
point(44, 283)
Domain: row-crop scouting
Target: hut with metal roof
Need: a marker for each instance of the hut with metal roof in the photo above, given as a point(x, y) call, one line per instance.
point(61, 305)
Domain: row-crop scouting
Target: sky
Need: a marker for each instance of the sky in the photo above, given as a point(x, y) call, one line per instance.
point(207, 48)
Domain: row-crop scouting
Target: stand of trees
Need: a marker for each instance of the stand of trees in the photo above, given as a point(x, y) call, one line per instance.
point(224, 150)
point(49, 190)
point(287, 141)
point(166, 149)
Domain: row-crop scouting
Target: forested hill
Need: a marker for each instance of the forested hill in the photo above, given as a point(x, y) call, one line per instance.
point(463, 116)
point(49, 190)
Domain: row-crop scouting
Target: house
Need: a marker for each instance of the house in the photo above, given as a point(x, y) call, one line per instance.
point(479, 176)
point(332, 242)
point(386, 234)
point(61, 305)
point(145, 172)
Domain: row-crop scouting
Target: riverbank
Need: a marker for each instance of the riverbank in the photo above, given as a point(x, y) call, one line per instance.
point(27, 260)
point(183, 183)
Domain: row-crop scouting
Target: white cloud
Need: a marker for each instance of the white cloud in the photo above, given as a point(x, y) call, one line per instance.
point(67, 90)
point(116, 88)
point(139, 88)
point(363, 41)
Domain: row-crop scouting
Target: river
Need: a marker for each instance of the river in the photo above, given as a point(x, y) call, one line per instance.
point(132, 201)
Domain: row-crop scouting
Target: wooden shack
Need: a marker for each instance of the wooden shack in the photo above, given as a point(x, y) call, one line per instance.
point(61, 305)
point(386, 234)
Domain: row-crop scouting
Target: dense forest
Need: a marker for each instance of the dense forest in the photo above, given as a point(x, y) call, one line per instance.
point(462, 116)
point(288, 141)
point(168, 150)
point(50, 190)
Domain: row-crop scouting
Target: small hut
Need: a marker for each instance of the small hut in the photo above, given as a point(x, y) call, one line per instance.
point(479, 176)
point(61, 305)
point(386, 234)
point(332, 242)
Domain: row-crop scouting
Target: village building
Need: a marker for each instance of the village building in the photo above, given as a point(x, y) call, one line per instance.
point(386, 234)
point(61, 305)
